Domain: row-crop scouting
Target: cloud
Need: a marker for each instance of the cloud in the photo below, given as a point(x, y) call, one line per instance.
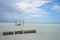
point(56, 8)
point(29, 4)
point(30, 8)
point(27, 9)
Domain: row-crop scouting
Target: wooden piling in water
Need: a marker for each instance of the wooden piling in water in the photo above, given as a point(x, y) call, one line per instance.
point(19, 32)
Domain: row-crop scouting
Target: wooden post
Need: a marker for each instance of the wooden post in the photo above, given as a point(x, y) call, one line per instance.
point(23, 22)
point(16, 22)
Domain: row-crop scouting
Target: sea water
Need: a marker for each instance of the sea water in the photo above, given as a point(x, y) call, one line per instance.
point(43, 31)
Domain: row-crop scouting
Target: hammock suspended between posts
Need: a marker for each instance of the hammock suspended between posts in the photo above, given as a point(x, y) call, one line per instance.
point(19, 22)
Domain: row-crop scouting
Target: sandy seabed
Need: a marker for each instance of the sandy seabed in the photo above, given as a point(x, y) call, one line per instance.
point(44, 31)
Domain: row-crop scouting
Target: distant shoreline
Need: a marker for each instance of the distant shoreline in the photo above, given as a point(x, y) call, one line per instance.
point(32, 23)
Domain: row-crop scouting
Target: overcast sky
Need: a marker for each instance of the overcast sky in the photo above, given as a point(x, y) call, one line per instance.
point(31, 10)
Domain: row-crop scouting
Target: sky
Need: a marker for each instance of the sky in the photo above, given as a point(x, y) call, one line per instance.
point(43, 11)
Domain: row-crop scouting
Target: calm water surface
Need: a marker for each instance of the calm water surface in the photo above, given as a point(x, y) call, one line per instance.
point(44, 32)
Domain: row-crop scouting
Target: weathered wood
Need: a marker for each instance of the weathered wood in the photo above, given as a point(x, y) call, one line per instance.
point(19, 32)
point(7, 33)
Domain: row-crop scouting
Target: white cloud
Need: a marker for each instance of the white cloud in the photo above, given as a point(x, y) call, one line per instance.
point(56, 8)
point(23, 5)
point(29, 9)
point(26, 5)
